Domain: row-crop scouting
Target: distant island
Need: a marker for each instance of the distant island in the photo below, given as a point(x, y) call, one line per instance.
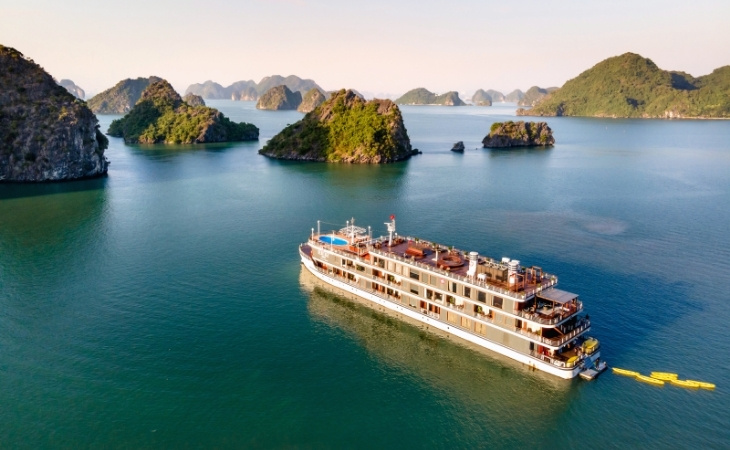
point(250, 90)
point(279, 98)
point(46, 134)
point(122, 97)
point(161, 116)
point(313, 98)
point(514, 96)
point(534, 95)
point(345, 129)
point(631, 86)
point(481, 98)
point(518, 134)
point(422, 96)
point(71, 87)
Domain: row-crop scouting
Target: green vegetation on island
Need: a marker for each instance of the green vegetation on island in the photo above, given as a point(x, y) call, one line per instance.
point(194, 100)
point(46, 134)
point(279, 98)
point(313, 98)
point(519, 134)
point(346, 129)
point(122, 97)
point(422, 96)
point(632, 86)
point(161, 116)
point(534, 95)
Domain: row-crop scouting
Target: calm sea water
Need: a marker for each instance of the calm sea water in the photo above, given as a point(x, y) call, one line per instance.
point(164, 306)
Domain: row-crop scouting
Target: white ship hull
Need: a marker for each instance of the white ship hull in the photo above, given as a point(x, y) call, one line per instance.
point(566, 373)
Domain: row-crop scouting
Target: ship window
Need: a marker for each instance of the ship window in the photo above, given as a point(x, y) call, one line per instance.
point(482, 296)
point(497, 302)
point(360, 268)
point(414, 290)
point(415, 275)
point(467, 292)
point(453, 287)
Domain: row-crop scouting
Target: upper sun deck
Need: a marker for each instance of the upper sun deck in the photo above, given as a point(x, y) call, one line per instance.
point(516, 282)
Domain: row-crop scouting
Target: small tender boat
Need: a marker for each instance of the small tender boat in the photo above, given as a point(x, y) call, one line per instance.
point(650, 380)
point(685, 384)
point(666, 376)
point(703, 384)
point(628, 373)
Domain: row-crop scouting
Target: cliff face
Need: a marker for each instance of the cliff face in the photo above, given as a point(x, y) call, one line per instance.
point(46, 134)
point(519, 134)
point(279, 98)
point(161, 116)
point(122, 97)
point(346, 129)
point(311, 100)
point(73, 89)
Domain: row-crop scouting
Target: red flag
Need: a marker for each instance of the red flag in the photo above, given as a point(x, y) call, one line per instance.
point(392, 217)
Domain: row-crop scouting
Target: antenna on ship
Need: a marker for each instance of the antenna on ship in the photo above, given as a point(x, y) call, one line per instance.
point(391, 229)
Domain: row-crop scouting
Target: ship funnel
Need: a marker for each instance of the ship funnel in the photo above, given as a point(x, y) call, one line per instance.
point(514, 266)
point(473, 261)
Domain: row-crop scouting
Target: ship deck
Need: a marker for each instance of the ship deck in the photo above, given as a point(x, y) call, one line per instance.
point(449, 262)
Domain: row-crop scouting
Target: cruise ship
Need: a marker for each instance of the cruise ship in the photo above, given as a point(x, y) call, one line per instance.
point(500, 305)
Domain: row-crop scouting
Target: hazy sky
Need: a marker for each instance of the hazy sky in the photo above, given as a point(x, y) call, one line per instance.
point(374, 46)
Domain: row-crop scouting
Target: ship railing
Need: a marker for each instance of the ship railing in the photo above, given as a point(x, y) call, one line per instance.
point(548, 280)
point(583, 325)
point(559, 317)
point(551, 360)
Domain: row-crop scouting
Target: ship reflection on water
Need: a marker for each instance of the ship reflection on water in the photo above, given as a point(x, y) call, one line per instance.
point(491, 383)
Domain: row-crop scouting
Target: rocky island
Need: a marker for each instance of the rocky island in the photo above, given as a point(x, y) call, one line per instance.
point(631, 86)
point(122, 97)
point(72, 88)
point(313, 98)
point(481, 98)
point(279, 98)
point(161, 116)
point(250, 90)
point(345, 129)
point(422, 96)
point(46, 134)
point(519, 134)
point(534, 95)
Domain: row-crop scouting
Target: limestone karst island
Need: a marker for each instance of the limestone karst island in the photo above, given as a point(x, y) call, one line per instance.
point(161, 116)
point(347, 129)
point(518, 134)
point(46, 134)
point(631, 86)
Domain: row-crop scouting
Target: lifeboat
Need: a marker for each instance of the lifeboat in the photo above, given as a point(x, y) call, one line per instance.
point(650, 380)
point(666, 376)
point(689, 384)
point(703, 384)
point(628, 373)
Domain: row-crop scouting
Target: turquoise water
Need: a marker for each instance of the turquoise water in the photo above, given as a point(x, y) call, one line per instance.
point(332, 240)
point(164, 306)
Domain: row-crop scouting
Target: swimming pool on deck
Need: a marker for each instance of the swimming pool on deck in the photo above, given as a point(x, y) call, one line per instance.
point(334, 240)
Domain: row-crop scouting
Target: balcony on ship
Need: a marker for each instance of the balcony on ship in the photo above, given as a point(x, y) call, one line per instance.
point(550, 306)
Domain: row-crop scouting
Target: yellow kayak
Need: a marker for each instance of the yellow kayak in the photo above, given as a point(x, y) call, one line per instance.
point(666, 376)
point(628, 373)
point(650, 380)
point(686, 383)
point(703, 384)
